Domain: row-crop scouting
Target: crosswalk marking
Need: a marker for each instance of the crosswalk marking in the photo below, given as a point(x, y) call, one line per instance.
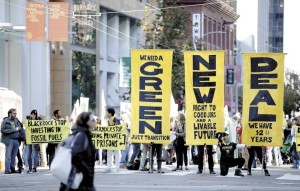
point(289, 177)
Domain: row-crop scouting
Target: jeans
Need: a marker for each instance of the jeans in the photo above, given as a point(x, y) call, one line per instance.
point(124, 155)
point(117, 158)
point(10, 154)
point(136, 150)
point(31, 153)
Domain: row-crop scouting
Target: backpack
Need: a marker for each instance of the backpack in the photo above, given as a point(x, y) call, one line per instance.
point(61, 166)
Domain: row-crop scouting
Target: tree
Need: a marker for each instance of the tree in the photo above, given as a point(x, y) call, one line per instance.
point(169, 30)
point(291, 99)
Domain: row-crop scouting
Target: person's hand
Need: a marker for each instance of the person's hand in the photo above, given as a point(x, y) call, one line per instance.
point(248, 146)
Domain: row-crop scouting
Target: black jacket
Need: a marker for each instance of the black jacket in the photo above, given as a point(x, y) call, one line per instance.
point(83, 158)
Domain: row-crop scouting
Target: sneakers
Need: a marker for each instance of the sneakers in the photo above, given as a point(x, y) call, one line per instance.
point(34, 170)
point(238, 172)
point(7, 172)
point(150, 170)
point(160, 171)
point(199, 172)
point(212, 172)
point(186, 168)
point(249, 173)
point(180, 168)
point(267, 173)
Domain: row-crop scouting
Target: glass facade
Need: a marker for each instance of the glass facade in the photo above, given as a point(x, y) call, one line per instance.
point(276, 25)
point(83, 25)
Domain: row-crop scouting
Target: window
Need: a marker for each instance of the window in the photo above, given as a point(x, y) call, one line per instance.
point(84, 77)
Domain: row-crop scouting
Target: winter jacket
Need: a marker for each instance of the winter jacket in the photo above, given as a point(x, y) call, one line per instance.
point(9, 129)
point(83, 158)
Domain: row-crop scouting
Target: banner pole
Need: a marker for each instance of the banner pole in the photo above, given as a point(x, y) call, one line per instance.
point(204, 157)
point(151, 158)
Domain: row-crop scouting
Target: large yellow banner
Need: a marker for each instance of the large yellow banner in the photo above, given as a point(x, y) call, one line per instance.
point(297, 134)
point(204, 90)
point(263, 99)
point(109, 137)
point(46, 131)
point(150, 96)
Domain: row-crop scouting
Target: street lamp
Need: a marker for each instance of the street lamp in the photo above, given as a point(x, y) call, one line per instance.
point(205, 34)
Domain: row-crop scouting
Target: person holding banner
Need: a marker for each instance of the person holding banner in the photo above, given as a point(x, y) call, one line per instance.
point(52, 146)
point(295, 152)
point(31, 150)
point(179, 143)
point(259, 155)
point(112, 120)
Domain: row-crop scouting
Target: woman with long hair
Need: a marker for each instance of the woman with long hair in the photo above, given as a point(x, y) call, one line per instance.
point(83, 151)
point(179, 143)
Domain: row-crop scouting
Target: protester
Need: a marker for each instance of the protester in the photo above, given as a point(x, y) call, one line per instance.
point(244, 151)
point(31, 150)
point(112, 120)
point(295, 153)
point(258, 150)
point(179, 143)
point(227, 155)
point(201, 154)
point(156, 148)
point(52, 146)
point(10, 129)
point(83, 155)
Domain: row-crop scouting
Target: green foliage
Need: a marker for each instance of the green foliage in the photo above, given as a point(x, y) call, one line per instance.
point(169, 30)
point(84, 77)
point(291, 99)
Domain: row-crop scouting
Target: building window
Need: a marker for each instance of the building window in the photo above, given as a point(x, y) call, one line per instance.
point(84, 28)
point(84, 77)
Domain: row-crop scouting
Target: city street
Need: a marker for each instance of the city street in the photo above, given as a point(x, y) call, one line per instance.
point(282, 178)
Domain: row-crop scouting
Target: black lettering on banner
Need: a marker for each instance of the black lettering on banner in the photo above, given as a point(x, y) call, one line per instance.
point(257, 81)
point(263, 96)
point(150, 96)
point(211, 65)
point(199, 79)
point(154, 72)
point(204, 98)
point(144, 124)
point(148, 112)
point(298, 130)
point(150, 81)
point(262, 65)
point(255, 116)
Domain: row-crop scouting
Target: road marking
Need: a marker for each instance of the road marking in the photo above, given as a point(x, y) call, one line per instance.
point(32, 182)
point(289, 177)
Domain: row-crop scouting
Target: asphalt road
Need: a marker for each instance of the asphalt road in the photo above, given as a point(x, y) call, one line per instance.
point(282, 178)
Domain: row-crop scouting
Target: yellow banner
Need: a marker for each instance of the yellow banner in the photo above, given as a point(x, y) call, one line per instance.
point(263, 99)
point(150, 96)
point(204, 90)
point(46, 131)
point(109, 137)
point(297, 134)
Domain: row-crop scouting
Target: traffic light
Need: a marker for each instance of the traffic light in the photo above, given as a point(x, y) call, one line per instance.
point(230, 76)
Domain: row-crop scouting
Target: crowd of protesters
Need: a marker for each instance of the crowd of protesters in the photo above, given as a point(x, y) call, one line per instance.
point(149, 157)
